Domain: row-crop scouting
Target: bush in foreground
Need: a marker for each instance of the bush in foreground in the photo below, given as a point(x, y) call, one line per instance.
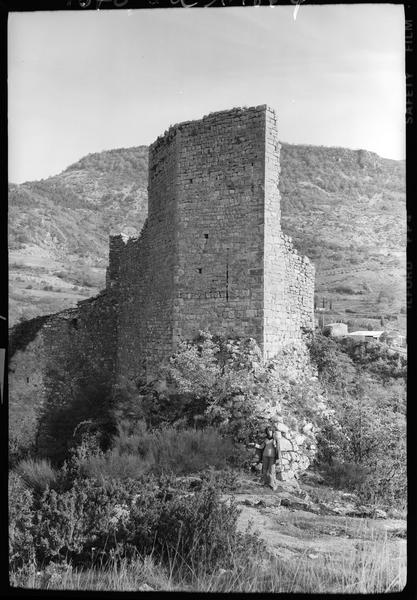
point(20, 501)
point(95, 521)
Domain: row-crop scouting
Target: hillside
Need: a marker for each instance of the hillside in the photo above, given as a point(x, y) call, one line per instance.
point(344, 209)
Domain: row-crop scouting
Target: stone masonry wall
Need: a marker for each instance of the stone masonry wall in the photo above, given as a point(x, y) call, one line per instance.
point(300, 274)
point(211, 254)
point(289, 277)
point(141, 272)
point(26, 389)
point(219, 274)
point(73, 350)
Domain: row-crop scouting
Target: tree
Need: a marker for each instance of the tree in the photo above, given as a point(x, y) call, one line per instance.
point(336, 369)
point(365, 385)
point(373, 426)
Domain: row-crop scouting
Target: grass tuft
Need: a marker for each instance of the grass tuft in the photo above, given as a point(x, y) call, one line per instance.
point(38, 474)
point(365, 570)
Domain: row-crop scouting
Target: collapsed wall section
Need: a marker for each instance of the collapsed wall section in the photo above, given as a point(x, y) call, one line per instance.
point(288, 277)
point(141, 272)
point(26, 386)
point(52, 380)
point(80, 343)
point(299, 280)
point(80, 365)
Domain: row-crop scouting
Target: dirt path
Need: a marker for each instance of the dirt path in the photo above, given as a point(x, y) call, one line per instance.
point(302, 527)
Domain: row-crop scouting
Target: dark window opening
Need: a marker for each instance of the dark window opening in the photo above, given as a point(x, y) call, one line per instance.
point(206, 236)
point(200, 270)
point(191, 180)
point(27, 379)
point(74, 323)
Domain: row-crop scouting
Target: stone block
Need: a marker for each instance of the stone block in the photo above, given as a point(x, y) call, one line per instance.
point(286, 445)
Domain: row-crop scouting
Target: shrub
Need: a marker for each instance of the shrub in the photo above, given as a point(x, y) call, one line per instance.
point(386, 483)
point(167, 450)
point(225, 480)
point(201, 379)
point(335, 368)
point(113, 464)
point(223, 382)
point(346, 475)
point(375, 358)
point(365, 448)
point(190, 450)
point(371, 435)
point(331, 442)
point(99, 520)
point(20, 499)
point(133, 438)
point(202, 532)
point(370, 324)
point(37, 474)
point(69, 524)
point(344, 289)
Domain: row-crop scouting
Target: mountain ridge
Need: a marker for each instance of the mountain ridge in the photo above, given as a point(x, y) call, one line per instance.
point(344, 208)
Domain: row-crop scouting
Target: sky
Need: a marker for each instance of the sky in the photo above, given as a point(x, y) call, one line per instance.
point(82, 82)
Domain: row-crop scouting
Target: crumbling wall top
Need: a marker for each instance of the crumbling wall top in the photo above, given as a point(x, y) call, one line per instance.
point(171, 132)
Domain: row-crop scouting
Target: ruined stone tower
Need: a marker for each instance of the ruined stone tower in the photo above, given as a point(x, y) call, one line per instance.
point(211, 255)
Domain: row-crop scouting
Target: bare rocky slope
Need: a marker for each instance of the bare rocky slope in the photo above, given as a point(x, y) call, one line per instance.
point(344, 209)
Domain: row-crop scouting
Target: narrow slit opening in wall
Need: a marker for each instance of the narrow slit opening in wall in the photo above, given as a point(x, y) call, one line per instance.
point(200, 270)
